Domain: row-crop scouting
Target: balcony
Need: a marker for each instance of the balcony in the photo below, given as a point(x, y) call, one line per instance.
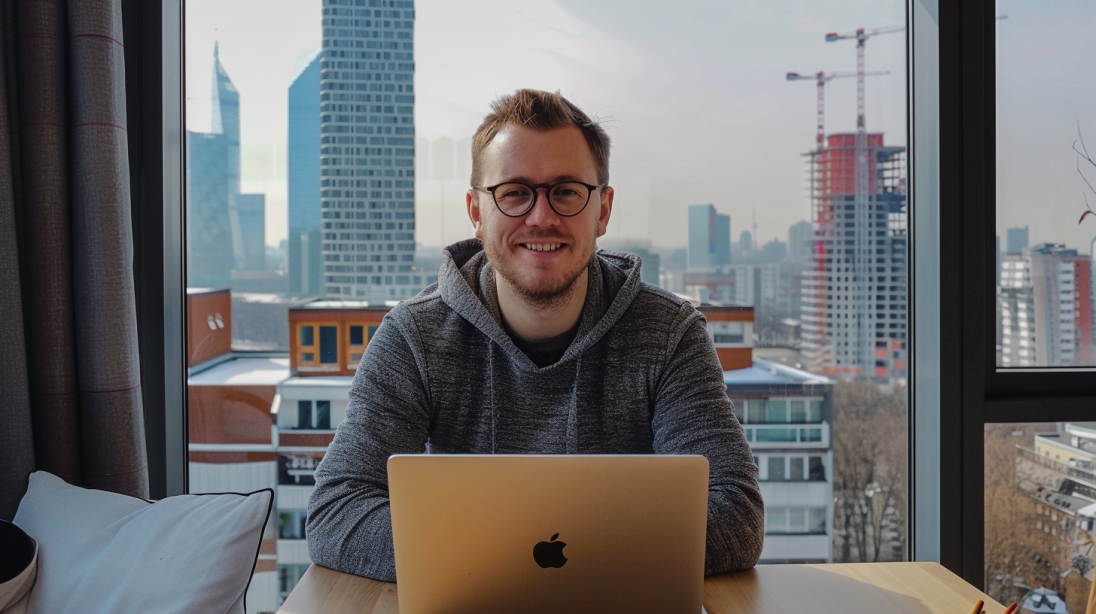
point(800, 435)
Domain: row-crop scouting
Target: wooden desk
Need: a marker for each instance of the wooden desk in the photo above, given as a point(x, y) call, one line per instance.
point(905, 588)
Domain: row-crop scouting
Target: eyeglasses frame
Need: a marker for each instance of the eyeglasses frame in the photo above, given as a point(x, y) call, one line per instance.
point(536, 194)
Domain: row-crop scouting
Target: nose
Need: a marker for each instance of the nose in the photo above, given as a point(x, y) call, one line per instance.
point(542, 213)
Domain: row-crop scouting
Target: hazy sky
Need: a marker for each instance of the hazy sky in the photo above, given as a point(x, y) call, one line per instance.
point(693, 95)
point(1045, 88)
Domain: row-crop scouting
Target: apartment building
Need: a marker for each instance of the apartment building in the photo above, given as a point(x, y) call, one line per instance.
point(1046, 307)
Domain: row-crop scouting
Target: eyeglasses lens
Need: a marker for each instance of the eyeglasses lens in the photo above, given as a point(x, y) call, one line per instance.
point(566, 198)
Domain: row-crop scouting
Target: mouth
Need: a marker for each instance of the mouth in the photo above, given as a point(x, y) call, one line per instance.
point(543, 247)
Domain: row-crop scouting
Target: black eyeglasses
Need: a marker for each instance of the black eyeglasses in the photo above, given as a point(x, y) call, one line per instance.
point(566, 198)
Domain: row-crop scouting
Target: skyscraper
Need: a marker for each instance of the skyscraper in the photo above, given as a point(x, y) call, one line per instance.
point(1046, 308)
point(367, 149)
point(854, 296)
point(225, 229)
point(709, 238)
point(1016, 240)
point(303, 166)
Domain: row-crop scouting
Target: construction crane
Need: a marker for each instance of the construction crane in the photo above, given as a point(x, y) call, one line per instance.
point(822, 78)
point(861, 36)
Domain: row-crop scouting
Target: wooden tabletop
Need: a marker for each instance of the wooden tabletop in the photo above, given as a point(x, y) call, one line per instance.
point(902, 588)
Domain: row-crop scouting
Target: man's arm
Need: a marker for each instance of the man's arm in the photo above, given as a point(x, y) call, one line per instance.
point(693, 415)
point(349, 525)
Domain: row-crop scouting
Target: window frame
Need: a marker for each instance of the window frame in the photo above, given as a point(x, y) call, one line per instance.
point(154, 117)
point(972, 391)
point(947, 410)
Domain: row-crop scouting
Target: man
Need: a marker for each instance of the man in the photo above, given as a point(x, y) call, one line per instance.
point(531, 342)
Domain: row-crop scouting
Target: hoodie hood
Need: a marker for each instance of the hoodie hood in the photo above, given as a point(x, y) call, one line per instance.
point(467, 285)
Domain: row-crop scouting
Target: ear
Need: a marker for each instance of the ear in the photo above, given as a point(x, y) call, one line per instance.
point(472, 205)
point(606, 210)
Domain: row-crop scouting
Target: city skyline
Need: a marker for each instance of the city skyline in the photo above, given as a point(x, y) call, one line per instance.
point(660, 165)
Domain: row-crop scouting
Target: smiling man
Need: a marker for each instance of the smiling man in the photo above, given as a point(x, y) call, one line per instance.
point(533, 341)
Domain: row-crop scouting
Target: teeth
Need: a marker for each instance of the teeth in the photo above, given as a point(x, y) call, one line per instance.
point(543, 247)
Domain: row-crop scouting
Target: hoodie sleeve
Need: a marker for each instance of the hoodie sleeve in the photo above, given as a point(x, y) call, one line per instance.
point(693, 415)
point(349, 526)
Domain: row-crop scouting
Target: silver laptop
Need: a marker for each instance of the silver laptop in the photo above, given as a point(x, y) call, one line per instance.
point(528, 533)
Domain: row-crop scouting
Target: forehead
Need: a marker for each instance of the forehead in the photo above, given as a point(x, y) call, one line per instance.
point(538, 155)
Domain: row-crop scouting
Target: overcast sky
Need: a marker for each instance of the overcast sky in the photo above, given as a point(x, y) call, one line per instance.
point(693, 95)
point(1045, 89)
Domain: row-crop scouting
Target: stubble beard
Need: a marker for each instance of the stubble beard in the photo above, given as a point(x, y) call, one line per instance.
point(548, 294)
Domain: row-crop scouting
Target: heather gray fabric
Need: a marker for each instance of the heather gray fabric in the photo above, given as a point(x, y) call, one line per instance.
point(442, 375)
point(66, 180)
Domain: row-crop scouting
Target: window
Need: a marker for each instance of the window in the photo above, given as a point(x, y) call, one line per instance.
point(323, 415)
point(776, 411)
point(288, 576)
point(795, 466)
point(304, 414)
point(776, 468)
point(290, 215)
point(329, 345)
point(291, 524)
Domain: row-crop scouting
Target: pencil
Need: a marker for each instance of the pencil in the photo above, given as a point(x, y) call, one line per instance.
point(978, 607)
point(1011, 608)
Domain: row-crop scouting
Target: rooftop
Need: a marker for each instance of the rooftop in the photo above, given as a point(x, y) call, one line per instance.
point(765, 373)
point(334, 381)
point(1068, 504)
point(347, 305)
point(243, 371)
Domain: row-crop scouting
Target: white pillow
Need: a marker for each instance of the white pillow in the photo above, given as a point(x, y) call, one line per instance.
point(105, 552)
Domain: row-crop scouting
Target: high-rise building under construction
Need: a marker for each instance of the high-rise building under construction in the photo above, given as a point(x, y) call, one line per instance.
point(854, 305)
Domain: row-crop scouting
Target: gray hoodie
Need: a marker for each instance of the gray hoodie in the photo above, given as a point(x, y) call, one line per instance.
point(442, 375)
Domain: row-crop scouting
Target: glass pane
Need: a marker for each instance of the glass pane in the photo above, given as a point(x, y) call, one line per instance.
point(776, 468)
point(1040, 508)
point(304, 414)
point(755, 411)
point(799, 411)
point(816, 469)
point(329, 344)
point(815, 414)
point(323, 415)
point(818, 278)
point(776, 411)
point(795, 466)
point(1045, 179)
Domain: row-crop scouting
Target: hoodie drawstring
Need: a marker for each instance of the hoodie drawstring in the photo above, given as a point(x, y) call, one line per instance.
point(491, 396)
point(572, 411)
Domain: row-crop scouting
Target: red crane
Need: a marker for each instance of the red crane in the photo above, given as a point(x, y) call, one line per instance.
point(822, 78)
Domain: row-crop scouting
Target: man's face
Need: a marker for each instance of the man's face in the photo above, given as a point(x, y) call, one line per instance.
point(518, 247)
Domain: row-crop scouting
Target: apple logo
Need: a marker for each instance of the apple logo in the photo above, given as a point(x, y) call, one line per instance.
point(550, 553)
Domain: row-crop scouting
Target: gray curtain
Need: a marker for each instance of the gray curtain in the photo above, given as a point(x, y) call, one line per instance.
point(70, 396)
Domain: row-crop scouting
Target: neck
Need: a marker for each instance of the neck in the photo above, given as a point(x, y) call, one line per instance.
point(536, 321)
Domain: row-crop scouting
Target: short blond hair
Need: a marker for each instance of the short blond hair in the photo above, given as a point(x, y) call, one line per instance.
point(542, 111)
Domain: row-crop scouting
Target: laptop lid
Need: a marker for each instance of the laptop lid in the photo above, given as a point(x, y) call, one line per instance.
point(531, 533)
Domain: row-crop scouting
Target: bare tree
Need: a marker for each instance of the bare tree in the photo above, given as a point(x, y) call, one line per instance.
point(869, 457)
point(1025, 544)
